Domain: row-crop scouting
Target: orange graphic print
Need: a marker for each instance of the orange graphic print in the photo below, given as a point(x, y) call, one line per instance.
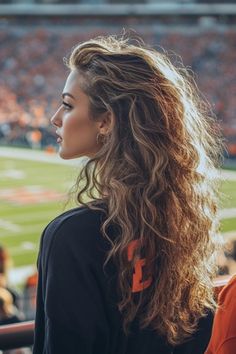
point(138, 284)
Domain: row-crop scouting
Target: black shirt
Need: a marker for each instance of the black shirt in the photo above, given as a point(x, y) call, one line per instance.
point(77, 301)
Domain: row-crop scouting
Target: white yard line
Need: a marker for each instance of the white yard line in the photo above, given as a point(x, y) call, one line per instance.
point(227, 213)
point(9, 226)
point(34, 155)
point(228, 175)
point(39, 155)
point(24, 247)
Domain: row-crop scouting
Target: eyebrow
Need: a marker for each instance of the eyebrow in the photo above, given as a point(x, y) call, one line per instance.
point(67, 94)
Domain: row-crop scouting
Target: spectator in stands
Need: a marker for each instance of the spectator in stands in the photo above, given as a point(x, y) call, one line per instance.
point(222, 263)
point(130, 270)
point(230, 254)
point(226, 260)
point(4, 264)
point(29, 296)
point(8, 312)
point(29, 88)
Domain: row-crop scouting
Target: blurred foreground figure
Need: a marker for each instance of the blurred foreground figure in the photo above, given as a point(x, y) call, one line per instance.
point(230, 254)
point(226, 259)
point(130, 270)
point(8, 312)
point(223, 339)
point(29, 296)
point(4, 264)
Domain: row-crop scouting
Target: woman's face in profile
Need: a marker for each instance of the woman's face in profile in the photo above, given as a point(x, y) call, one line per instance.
point(75, 128)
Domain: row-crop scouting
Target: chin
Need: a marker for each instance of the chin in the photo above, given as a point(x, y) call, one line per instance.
point(68, 156)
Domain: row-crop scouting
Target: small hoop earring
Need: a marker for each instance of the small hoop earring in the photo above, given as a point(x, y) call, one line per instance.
point(100, 138)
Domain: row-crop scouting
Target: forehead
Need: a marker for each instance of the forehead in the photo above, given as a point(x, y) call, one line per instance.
point(73, 84)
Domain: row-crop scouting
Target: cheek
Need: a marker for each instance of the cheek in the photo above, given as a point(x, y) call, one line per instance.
point(80, 130)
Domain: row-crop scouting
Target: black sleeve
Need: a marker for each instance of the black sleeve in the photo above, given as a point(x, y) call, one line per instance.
point(39, 316)
point(75, 315)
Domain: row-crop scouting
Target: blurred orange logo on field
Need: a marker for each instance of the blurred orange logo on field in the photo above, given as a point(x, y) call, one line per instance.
point(29, 195)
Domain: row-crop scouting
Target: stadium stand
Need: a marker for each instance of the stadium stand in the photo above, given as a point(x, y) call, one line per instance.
point(33, 73)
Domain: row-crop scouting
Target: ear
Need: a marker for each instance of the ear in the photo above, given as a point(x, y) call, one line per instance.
point(106, 122)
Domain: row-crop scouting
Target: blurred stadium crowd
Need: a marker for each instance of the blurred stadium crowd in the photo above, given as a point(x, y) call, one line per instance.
point(33, 74)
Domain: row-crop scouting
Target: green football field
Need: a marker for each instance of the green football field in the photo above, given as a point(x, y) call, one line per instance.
point(33, 192)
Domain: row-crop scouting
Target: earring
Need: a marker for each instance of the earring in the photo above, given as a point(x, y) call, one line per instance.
point(101, 138)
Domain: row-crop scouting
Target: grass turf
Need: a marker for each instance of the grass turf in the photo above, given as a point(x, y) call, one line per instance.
point(21, 224)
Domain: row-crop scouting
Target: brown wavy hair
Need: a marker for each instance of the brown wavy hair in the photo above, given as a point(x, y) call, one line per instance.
point(156, 174)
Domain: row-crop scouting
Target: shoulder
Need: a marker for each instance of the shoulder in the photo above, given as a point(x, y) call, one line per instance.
point(81, 218)
point(77, 229)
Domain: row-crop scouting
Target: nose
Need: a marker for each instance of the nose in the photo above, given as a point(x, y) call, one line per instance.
point(56, 119)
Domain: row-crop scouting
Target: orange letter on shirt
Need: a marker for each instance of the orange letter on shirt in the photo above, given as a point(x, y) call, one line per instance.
point(137, 285)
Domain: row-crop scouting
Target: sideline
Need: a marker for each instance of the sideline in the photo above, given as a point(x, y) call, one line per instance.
point(227, 213)
point(53, 157)
point(37, 155)
point(228, 175)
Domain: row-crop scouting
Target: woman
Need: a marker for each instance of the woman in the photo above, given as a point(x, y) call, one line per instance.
point(131, 270)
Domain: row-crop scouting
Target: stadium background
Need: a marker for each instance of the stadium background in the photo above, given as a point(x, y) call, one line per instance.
point(34, 38)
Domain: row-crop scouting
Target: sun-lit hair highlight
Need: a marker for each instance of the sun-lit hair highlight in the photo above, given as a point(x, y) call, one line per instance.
point(156, 172)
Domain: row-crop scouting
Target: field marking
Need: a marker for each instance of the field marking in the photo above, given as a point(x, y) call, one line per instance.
point(42, 156)
point(227, 213)
point(34, 230)
point(228, 175)
point(13, 174)
point(54, 158)
point(9, 226)
point(29, 195)
point(24, 247)
point(34, 215)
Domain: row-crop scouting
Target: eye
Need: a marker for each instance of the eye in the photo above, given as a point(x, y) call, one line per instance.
point(66, 105)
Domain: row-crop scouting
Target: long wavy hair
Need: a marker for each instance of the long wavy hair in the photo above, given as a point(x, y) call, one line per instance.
point(156, 173)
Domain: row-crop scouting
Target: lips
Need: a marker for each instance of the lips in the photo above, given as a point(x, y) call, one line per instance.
point(59, 138)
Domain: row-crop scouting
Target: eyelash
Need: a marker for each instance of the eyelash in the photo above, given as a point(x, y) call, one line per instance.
point(66, 105)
